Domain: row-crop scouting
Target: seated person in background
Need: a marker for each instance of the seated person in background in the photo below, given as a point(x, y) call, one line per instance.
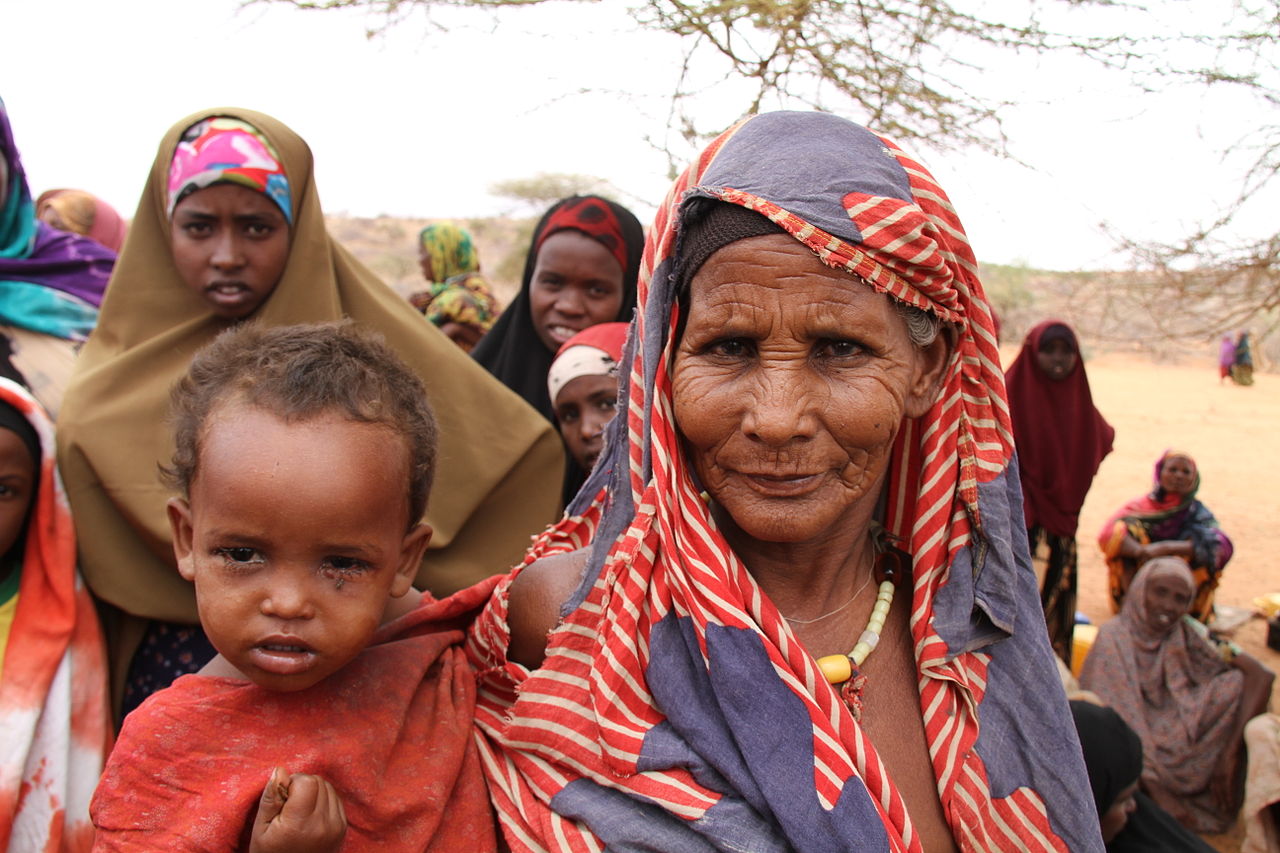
point(458, 299)
point(1262, 786)
point(583, 384)
point(230, 227)
point(1167, 522)
point(1131, 821)
point(54, 721)
point(305, 455)
point(1186, 697)
point(51, 284)
point(82, 213)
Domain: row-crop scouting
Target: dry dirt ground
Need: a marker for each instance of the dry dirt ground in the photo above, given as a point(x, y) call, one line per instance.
point(1231, 432)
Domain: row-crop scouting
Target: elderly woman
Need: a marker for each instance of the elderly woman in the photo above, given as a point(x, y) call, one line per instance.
point(1167, 522)
point(805, 619)
point(1187, 698)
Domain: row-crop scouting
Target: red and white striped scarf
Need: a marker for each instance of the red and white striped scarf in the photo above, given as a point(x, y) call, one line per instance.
point(671, 668)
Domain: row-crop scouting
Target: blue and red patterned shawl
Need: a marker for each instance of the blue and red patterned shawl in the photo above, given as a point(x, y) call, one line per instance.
point(675, 710)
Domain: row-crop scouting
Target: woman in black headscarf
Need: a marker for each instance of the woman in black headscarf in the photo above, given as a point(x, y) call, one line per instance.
point(1131, 821)
point(581, 271)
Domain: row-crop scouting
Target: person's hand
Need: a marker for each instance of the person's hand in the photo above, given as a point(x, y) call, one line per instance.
point(298, 813)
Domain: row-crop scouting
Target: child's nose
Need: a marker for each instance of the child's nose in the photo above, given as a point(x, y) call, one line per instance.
point(288, 602)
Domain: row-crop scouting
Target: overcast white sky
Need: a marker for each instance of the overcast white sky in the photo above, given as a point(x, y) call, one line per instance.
point(420, 122)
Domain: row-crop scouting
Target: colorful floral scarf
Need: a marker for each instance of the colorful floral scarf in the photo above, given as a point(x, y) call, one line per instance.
point(225, 150)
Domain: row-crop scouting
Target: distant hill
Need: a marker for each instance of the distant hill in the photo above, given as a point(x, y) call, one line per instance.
point(1108, 309)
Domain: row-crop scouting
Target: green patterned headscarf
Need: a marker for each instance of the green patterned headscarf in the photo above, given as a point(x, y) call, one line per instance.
point(450, 248)
point(463, 299)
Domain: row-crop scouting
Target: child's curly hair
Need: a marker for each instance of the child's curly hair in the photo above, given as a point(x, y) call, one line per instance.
point(301, 372)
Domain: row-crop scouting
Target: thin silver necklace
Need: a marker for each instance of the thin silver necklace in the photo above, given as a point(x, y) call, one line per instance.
point(856, 593)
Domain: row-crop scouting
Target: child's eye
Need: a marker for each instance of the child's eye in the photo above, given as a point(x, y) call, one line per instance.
point(239, 557)
point(342, 569)
point(197, 229)
point(259, 230)
point(607, 404)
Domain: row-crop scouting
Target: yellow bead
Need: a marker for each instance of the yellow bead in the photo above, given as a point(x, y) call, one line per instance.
point(835, 668)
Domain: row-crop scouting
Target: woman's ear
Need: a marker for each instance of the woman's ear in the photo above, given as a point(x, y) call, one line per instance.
point(180, 524)
point(932, 361)
point(411, 550)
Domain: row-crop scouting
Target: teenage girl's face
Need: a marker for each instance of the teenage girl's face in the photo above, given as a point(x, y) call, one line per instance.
point(1177, 475)
point(1057, 358)
point(577, 283)
point(17, 483)
point(231, 245)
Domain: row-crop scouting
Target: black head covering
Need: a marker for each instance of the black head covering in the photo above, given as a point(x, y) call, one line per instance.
point(710, 225)
point(512, 350)
point(1112, 751)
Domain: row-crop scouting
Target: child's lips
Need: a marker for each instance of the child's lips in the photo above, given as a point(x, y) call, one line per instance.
point(283, 655)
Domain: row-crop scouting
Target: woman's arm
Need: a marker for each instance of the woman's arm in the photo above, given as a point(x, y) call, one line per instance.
point(534, 603)
point(1255, 695)
point(1132, 549)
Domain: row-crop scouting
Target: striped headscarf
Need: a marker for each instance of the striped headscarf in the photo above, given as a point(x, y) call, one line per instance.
point(675, 709)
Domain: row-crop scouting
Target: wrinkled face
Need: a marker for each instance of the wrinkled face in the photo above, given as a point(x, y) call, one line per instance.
point(576, 284)
point(584, 407)
point(17, 485)
point(1118, 815)
point(231, 245)
point(1057, 358)
point(1177, 475)
point(294, 536)
point(465, 335)
point(790, 384)
point(1167, 599)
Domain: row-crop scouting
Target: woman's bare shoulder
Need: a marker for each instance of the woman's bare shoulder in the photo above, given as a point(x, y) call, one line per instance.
point(534, 603)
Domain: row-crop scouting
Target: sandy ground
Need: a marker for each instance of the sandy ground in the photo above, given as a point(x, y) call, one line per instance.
point(1230, 431)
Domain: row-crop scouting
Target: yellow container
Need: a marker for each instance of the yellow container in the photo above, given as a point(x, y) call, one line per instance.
point(1081, 641)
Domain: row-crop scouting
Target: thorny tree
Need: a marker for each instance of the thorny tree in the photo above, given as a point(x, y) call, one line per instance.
point(921, 70)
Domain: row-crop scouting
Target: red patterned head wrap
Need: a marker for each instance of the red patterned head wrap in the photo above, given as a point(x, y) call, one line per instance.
point(593, 217)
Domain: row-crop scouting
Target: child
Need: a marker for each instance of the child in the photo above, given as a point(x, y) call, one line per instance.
point(583, 385)
point(54, 727)
point(304, 455)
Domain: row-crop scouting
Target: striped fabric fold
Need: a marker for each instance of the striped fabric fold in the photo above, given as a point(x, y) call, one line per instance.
point(675, 710)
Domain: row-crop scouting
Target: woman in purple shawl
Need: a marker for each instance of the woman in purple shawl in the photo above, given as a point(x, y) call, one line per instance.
point(51, 283)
